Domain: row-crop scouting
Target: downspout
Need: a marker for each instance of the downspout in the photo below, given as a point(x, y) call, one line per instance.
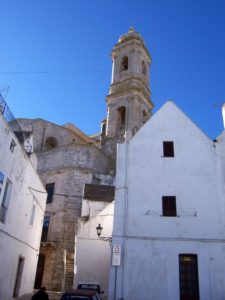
point(125, 221)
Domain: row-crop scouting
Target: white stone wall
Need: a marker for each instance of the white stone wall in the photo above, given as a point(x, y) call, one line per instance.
point(152, 268)
point(150, 252)
point(92, 260)
point(17, 236)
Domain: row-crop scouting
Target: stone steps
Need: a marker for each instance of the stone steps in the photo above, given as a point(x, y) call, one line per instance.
point(54, 295)
point(69, 272)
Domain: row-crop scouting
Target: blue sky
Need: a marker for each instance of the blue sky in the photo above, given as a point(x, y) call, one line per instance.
point(55, 57)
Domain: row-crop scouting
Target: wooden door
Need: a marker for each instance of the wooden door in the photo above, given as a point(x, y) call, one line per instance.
point(18, 277)
point(40, 271)
point(188, 267)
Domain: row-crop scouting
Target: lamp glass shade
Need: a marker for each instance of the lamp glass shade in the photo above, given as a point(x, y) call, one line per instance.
point(99, 229)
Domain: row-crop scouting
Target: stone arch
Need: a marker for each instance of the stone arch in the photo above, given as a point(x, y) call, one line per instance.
point(51, 143)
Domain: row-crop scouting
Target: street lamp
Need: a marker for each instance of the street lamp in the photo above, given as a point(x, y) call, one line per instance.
point(99, 232)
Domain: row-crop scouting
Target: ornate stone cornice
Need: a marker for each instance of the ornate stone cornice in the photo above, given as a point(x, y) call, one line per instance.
point(127, 92)
point(129, 43)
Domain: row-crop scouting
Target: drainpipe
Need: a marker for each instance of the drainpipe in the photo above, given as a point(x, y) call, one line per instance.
point(125, 222)
point(210, 278)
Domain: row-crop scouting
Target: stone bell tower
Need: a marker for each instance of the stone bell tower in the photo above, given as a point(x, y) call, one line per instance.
point(129, 100)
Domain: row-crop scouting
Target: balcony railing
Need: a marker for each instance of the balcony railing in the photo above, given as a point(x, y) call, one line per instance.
point(13, 124)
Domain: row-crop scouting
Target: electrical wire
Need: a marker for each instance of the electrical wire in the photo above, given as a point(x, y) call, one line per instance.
point(63, 195)
point(157, 69)
point(54, 72)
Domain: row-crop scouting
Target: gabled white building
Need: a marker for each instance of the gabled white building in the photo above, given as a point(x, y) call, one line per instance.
point(21, 216)
point(169, 212)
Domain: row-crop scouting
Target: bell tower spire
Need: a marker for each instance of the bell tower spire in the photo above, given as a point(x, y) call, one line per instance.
point(129, 100)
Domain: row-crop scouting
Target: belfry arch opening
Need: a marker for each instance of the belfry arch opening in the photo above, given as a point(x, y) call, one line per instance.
point(124, 63)
point(121, 117)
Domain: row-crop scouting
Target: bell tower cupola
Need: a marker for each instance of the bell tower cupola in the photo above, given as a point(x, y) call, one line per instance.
point(129, 100)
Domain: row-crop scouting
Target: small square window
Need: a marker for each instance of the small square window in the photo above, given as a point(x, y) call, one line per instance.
point(50, 190)
point(168, 149)
point(169, 206)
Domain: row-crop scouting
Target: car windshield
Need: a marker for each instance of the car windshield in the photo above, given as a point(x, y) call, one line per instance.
point(74, 297)
point(93, 287)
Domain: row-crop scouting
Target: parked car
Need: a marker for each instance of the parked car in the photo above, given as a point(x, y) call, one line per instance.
point(81, 295)
point(93, 286)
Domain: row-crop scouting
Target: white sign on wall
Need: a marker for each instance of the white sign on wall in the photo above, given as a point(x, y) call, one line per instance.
point(116, 254)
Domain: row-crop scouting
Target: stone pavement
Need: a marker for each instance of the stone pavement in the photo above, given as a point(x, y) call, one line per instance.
point(51, 295)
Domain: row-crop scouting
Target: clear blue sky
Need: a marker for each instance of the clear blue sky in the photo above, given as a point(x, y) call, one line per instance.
point(55, 56)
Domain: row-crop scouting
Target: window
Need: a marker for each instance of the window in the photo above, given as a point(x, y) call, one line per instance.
point(5, 201)
point(12, 145)
point(32, 215)
point(18, 277)
point(144, 72)
point(50, 191)
point(168, 150)
point(1, 181)
point(44, 235)
point(1, 177)
point(169, 206)
point(124, 63)
point(188, 271)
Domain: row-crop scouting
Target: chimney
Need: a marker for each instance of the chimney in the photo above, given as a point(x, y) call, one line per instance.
point(223, 113)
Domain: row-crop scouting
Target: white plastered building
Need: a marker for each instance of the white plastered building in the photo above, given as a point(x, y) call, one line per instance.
point(169, 212)
point(21, 216)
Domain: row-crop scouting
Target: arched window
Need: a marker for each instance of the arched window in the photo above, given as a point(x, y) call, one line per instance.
point(144, 70)
point(50, 143)
point(124, 63)
point(121, 117)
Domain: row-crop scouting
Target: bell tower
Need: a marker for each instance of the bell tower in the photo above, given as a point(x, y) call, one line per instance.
point(129, 100)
